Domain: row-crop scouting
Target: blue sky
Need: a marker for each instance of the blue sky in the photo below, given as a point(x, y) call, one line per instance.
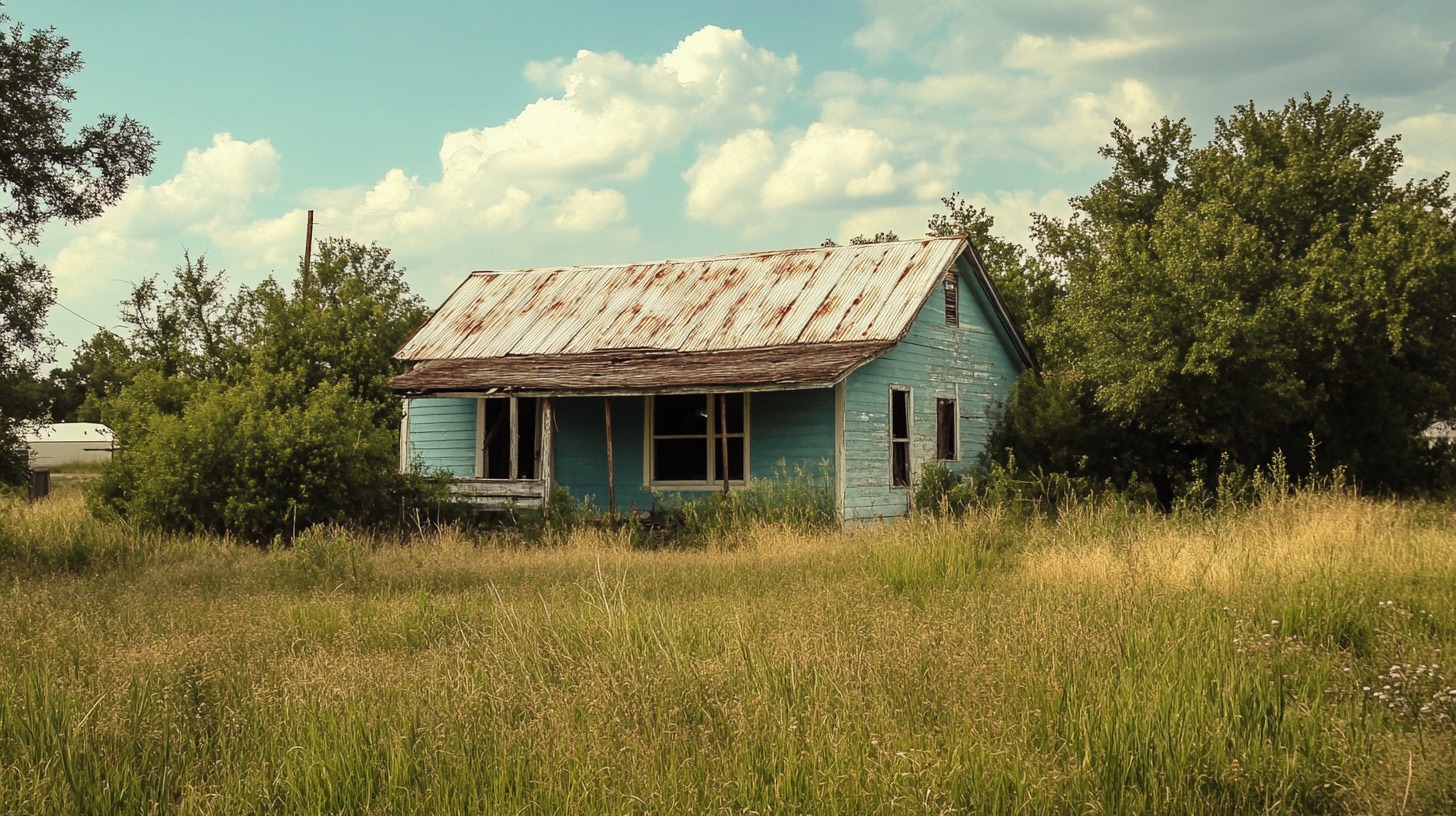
point(491, 135)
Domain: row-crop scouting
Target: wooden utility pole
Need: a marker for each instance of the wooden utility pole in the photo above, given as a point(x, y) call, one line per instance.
point(307, 250)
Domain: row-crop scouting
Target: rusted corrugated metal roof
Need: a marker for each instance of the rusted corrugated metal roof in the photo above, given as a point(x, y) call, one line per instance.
point(638, 371)
point(823, 295)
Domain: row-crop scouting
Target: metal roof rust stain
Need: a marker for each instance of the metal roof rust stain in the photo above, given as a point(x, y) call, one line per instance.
point(753, 300)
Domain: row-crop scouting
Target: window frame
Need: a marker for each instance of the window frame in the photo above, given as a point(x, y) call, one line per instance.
point(513, 433)
point(951, 290)
point(947, 429)
point(898, 480)
point(713, 440)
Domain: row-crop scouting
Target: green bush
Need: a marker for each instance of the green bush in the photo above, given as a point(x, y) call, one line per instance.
point(1020, 492)
point(259, 461)
point(796, 498)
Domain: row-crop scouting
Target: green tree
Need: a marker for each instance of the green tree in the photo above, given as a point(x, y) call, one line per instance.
point(341, 325)
point(45, 175)
point(1029, 287)
point(190, 328)
point(1275, 284)
point(268, 412)
point(99, 369)
point(251, 460)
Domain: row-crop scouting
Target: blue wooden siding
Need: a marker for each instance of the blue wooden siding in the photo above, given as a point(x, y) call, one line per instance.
point(972, 362)
point(442, 435)
point(581, 450)
point(792, 427)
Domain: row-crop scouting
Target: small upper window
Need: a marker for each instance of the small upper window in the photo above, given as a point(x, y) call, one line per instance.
point(952, 300)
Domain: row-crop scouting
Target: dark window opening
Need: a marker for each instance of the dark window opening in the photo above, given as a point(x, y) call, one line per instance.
point(945, 429)
point(952, 300)
point(899, 438)
point(511, 439)
point(688, 438)
point(496, 462)
point(528, 438)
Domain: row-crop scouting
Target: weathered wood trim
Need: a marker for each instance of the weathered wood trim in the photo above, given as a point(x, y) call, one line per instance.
point(404, 439)
point(839, 457)
point(497, 488)
point(479, 437)
point(546, 458)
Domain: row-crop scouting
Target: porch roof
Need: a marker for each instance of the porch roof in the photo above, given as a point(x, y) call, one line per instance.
point(642, 371)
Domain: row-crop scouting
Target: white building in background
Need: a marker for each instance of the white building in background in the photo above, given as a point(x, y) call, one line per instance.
point(69, 443)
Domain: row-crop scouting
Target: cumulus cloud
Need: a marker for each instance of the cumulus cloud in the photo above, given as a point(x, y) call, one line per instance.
point(1426, 140)
point(831, 161)
point(754, 177)
point(614, 116)
point(551, 168)
point(724, 183)
point(217, 183)
point(589, 210)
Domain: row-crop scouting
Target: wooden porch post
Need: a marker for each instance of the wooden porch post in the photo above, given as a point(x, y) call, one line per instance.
point(723, 437)
point(611, 470)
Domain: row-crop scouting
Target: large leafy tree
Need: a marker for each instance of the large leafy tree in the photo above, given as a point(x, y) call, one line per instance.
point(340, 323)
point(1242, 297)
point(46, 174)
point(269, 411)
point(190, 327)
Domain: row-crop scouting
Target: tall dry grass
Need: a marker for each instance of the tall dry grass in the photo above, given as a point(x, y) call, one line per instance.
point(1109, 661)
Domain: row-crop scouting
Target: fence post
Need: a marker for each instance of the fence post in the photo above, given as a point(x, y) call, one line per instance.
point(40, 483)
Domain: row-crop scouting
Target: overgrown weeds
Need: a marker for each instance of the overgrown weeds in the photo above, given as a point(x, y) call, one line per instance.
point(1104, 658)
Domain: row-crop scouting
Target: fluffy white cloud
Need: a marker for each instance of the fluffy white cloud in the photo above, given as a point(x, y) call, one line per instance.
point(831, 161)
point(589, 210)
point(1081, 125)
point(724, 183)
point(215, 184)
point(614, 116)
point(1429, 148)
point(754, 177)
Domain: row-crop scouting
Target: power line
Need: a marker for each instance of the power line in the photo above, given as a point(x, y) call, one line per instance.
point(81, 316)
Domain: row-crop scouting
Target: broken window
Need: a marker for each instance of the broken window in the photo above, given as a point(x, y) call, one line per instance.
point(952, 299)
point(945, 429)
point(899, 437)
point(695, 436)
point(510, 438)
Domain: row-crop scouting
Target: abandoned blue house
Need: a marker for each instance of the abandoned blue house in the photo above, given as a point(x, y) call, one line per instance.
point(623, 383)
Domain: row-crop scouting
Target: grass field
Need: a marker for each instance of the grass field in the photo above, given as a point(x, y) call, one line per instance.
point(1285, 659)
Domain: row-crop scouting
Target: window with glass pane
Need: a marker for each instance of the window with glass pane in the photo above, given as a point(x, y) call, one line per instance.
point(688, 438)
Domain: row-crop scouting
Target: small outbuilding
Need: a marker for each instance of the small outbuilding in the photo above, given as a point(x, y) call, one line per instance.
point(627, 382)
point(69, 443)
